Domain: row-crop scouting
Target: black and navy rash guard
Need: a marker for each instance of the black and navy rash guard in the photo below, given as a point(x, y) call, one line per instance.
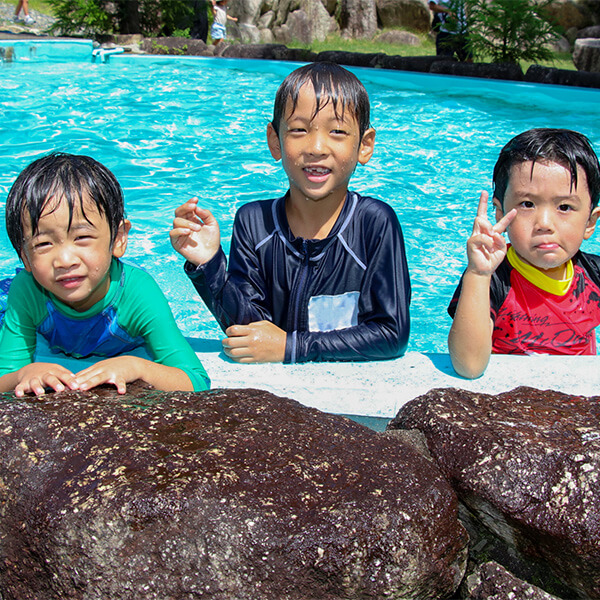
point(345, 297)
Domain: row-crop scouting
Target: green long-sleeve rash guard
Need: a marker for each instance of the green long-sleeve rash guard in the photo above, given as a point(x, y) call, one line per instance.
point(133, 314)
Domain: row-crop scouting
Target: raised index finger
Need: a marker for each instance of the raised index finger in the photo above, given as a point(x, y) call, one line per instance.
point(482, 206)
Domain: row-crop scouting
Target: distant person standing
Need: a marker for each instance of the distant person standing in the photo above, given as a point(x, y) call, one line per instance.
point(24, 6)
point(437, 19)
point(199, 28)
point(218, 30)
point(450, 21)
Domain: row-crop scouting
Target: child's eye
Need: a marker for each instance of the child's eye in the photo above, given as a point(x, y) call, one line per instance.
point(527, 204)
point(565, 207)
point(339, 132)
point(37, 246)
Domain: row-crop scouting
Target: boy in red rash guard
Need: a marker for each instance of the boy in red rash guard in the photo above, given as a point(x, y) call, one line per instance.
point(540, 294)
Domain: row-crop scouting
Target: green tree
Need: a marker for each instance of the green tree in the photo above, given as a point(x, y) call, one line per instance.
point(511, 30)
point(94, 18)
point(82, 17)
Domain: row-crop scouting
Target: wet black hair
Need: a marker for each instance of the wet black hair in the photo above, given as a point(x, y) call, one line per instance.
point(563, 146)
point(331, 83)
point(58, 175)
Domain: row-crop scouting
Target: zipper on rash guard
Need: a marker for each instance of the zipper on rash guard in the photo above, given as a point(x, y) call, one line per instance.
point(300, 289)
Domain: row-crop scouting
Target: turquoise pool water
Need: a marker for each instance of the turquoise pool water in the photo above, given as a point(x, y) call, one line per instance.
point(173, 128)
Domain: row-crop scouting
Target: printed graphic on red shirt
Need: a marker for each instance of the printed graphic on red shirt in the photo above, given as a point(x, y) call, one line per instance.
point(533, 321)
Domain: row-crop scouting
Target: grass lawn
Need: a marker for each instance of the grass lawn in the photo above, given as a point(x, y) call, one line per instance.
point(41, 6)
point(562, 60)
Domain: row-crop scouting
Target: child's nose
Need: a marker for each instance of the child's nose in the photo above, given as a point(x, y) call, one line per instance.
point(318, 142)
point(65, 257)
point(544, 218)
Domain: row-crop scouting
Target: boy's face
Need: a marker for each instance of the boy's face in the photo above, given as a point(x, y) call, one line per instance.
point(552, 219)
point(73, 264)
point(319, 154)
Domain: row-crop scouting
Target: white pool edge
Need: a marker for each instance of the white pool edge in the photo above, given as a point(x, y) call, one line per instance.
point(380, 389)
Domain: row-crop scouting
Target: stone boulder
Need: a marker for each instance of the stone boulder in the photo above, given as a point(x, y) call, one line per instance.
point(269, 52)
point(400, 38)
point(311, 22)
point(225, 495)
point(349, 59)
point(419, 64)
point(330, 6)
point(247, 12)
point(358, 18)
point(412, 14)
point(588, 32)
point(175, 46)
point(492, 581)
point(567, 13)
point(505, 71)
point(539, 74)
point(586, 54)
point(302, 20)
point(282, 8)
point(526, 466)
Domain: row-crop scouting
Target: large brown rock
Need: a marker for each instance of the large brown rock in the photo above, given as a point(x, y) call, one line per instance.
point(413, 14)
point(228, 495)
point(567, 13)
point(492, 581)
point(526, 464)
point(358, 18)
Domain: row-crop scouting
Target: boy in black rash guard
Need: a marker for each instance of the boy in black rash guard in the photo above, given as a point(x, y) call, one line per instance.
point(320, 273)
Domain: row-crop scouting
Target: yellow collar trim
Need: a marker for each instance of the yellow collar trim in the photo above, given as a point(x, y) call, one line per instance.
point(538, 278)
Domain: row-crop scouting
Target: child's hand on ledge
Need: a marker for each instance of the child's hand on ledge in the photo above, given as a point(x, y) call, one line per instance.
point(261, 341)
point(35, 378)
point(118, 371)
point(195, 234)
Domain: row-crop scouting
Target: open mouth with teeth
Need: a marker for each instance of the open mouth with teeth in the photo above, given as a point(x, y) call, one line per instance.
point(316, 173)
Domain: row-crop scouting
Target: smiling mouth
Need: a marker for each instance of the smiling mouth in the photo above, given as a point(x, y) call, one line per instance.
point(317, 171)
point(317, 175)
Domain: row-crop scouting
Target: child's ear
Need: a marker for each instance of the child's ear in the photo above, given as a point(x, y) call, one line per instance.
point(120, 244)
point(499, 209)
point(25, 261)
point(367, 146)
point(273, 141)
point(591, 224)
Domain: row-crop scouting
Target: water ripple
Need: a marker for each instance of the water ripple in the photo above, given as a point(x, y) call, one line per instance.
point(171, 130)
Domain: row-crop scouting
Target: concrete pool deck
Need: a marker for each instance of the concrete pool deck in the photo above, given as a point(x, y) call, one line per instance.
point(380, 389)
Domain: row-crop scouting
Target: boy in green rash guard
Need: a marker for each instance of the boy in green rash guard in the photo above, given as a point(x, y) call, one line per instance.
point(65, 219)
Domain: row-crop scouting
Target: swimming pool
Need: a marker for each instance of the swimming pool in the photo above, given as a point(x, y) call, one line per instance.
point(172, 128)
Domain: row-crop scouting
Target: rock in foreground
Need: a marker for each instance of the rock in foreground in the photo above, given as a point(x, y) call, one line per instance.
point(229, 494)
point(491, 581)
point(526, 463)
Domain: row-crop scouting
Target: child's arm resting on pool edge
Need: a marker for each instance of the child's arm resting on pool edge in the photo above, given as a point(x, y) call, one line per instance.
point(470, 337)
point(239, 300)
point(35, 378)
